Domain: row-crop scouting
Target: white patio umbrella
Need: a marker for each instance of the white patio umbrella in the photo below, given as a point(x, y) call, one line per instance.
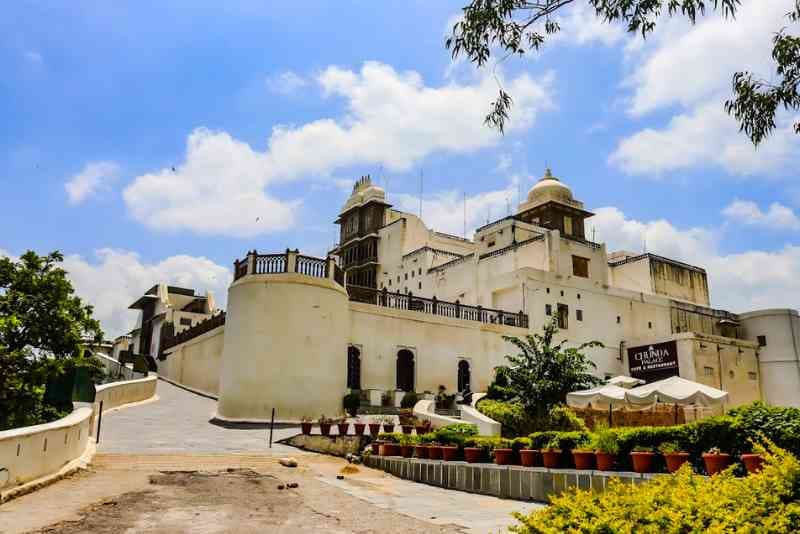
point(678, 391)
point(600, 397)
point(625, 381)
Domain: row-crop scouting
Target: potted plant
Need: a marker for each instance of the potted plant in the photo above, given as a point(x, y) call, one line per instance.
point(674, 457)
point(325, 425)
point(716, 460)
point(606, 448)
point(753, 462)
point(358, 427)
point(388, 423)
point(421, 451)
point(503, 455)
point(643, 459)
point(449, 452)
point(389, 447)
point(435, 451)
point(407, 445)
point(305, 425)
point(407, 421)
point(342, 425)
point(423, 427)
point(583, 457)
point(375, 427)
point(376, 446)
point(551, 454)
point(530, 457)
point(444, 401)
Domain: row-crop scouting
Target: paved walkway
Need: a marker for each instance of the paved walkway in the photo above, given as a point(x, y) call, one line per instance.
point(178, 422)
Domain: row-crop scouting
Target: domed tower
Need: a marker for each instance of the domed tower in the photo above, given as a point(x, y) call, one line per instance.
point(362, 215)
point(550, 204)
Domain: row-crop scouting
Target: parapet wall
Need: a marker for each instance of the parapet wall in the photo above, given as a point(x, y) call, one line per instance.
point(115, 394)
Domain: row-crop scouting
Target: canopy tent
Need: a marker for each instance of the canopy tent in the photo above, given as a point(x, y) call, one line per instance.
point(676, 390)
point(601, 396)
point(625, 381)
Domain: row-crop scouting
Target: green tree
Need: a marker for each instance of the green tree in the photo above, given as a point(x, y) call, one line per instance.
point(42, 324)
point(543, 372)
point(519, 26)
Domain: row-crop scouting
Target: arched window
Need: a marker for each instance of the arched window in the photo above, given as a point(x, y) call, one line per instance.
point(405, 370)
point(353, 368)
point(464, 376)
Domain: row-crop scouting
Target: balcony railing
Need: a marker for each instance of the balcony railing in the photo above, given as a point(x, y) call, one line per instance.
point(455, 310)
point(289, 262)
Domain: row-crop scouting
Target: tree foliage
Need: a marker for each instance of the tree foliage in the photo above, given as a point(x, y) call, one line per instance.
point(516, 27)
point(543, 372)
point(42, 324)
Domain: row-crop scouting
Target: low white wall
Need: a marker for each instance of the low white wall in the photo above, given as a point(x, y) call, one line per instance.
point(425, 409)
point(118, 393)
point(32, 452)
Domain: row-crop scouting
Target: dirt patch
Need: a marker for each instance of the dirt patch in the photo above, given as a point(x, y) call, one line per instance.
point(239, 500)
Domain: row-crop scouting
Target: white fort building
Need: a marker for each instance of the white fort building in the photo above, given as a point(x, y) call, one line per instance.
point(399, 307)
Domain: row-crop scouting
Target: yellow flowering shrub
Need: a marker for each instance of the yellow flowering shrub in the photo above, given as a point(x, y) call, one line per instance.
point(682, 503)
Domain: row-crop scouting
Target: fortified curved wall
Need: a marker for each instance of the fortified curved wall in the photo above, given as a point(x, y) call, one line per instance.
point(285, 343)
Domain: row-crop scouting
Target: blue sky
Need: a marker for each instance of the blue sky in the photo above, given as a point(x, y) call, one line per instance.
point(268, 112)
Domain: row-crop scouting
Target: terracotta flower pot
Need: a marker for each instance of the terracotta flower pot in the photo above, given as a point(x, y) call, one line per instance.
point(376, 445)
point(421, 451)
point(359, 428)
point(530, 457)
point(406, 451)
point(374, 428)
point(675, 460)
point(551, 458)
point(503, 456)
point(643, 461)
point(421, 430)
point(435, 452)
point(390, 449)
point(583, 459)
point(449, 453)
point(407, 429)
point(342, 427)
point(325, 429)
point(473, 454)
point(753, 462)
point(388, 428)
point(605, 461)
point(716, 462)
point(306, 428)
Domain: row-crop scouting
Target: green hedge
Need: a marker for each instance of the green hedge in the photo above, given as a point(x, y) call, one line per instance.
point(516, 422)
point(766, 502)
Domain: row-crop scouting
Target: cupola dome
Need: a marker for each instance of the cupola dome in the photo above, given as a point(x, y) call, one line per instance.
point(549, 188)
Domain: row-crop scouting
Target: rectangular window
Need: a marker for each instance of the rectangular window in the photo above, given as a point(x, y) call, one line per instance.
point(708, 371)
point(186, 321)
point(420, 285)
point(762, 341)
point(490, 244)
point(548, 309)
point(752, 376)
point(579, 315)
point(580, 266)
point(563, 316)
point(649, 324)
point(567, 225)
point(406, 275)
point(619, 319)
point(420, 271)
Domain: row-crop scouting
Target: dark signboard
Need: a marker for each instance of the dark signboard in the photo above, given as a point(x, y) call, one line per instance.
point(653, 362)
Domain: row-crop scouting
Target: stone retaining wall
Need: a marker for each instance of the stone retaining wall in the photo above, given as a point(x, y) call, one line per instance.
point(506, 481)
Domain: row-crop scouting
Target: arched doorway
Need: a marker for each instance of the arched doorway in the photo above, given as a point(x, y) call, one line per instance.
point(464, 376)
point(405, 370)
point(353, 368)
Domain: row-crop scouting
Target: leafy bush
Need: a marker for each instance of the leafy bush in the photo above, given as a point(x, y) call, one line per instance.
point(409, 400)
point(499, 388)
point(351, 402)
point(456, 433)
point(561, 417)
point(765, 502)
point(511, 415)
point(392, 437)
point(605, 440)
point(488, 443)
point(565, 441)
point(429, 437)
point(780, 425)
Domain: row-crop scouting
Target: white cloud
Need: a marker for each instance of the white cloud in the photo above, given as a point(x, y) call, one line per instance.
point(690, 68)
point(393, 119)
point(777, 217)
point(444, 211)
point(740, 282)
point(286, 83)
point(94, 177)
point(116, 278)
point(704, 136)
point(580, 25)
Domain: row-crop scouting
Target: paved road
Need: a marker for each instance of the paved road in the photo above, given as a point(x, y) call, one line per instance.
point(178, 422)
